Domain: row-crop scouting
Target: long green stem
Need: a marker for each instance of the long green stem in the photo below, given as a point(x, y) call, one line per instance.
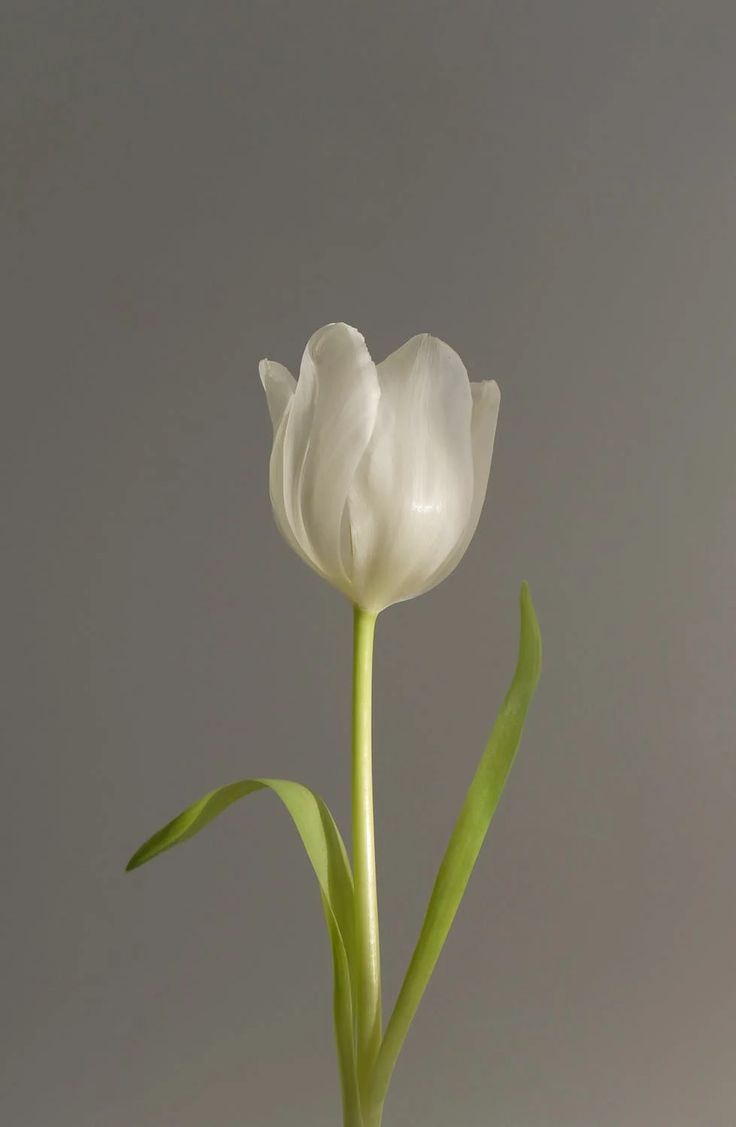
point(364, 858)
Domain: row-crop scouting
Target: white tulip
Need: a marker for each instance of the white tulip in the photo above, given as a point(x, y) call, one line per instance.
point(379, 472)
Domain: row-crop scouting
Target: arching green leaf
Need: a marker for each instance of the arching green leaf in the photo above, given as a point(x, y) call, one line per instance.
point(326, 851)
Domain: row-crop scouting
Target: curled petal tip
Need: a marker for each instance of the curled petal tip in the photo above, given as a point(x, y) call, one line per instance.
point(335, 335)
point(487, 389)
point(278, 384)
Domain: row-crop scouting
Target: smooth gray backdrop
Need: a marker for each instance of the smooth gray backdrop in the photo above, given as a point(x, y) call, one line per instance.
point(187, 187)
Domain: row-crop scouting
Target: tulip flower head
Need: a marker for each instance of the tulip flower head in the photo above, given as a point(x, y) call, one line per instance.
point(379, 471)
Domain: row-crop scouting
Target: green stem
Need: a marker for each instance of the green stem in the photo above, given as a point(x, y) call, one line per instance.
point(364, 860)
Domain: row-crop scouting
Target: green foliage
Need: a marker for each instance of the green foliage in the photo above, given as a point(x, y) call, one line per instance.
point(326, 851)
point(466, 840)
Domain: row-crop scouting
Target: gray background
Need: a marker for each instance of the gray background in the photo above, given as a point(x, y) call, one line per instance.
point(188, 187)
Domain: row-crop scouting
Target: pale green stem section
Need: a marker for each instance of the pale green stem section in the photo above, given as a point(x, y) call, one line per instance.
point(364, 859)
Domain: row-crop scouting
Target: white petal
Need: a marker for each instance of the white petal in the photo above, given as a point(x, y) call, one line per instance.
point(287, 455)
point(486, 403)
point(332, 418)
point(277, 492)
point(278, 384)
point(413, 492)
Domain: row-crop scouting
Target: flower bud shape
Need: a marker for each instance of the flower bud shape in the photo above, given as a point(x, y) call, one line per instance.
point(379, 472)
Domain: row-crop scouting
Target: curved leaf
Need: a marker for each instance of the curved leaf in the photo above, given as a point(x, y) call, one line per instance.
point(465, 843)
point(326, 851)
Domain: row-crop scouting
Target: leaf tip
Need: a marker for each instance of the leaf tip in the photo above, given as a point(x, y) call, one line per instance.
point(525, 602)
point(135, 861)
point(530, 626)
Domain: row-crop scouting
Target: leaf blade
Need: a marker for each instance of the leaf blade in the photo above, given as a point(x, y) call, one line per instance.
point(326, 851)
point(465, 842)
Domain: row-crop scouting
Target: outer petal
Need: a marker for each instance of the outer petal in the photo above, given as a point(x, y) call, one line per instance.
point(278, 489)
point(486, 403)
point(279, 385)
point(412, 495)
point(332, 419)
